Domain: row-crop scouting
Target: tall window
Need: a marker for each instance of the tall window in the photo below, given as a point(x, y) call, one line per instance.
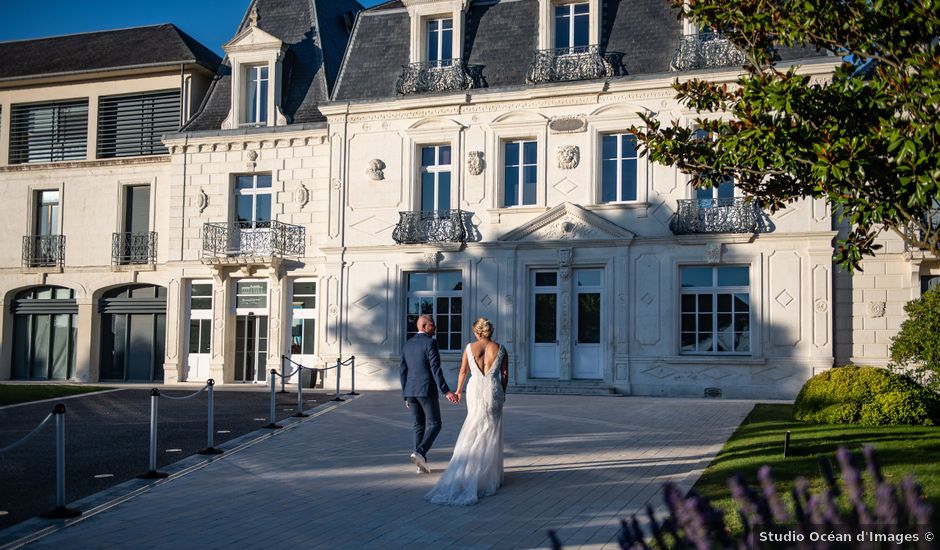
point(715, 310)
point(720, 195)
point(256, 96)
point(200, 322)
point(521, 173)
point(47, 213)
point(618, 168)
point(253, 200)
point(572, 25)
point(303, 334)
point(439, 295)
point(440, 41)
point(435, 178)
point(133, 125)
point(49, 132)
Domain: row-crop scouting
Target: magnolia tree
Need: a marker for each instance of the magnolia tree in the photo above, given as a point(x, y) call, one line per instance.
point(867, 140)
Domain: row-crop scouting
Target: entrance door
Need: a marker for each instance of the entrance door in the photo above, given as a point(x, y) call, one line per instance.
point(544, 332)
point(133, 327)
point(303, 333)
point(251, 330)
point(587, 359)
point(199, 342)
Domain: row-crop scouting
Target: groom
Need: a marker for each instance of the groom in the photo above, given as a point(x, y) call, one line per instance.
point(421, 376)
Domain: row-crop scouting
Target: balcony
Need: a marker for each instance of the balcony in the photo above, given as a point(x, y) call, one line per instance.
point(706, 51)
point(578, 63)
point(261, 242)
point(43, 251)
point(433, 226)
point(727, 215)
point(134, 248)
point(449, 75)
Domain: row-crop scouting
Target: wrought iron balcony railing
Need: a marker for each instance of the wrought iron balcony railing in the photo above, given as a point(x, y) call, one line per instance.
point(728, 215)
point(433, 226)
point(706, 51)
point(264, 239)
point(448, 75)
point(134, 248)
point(43, 250)
point(577, 63)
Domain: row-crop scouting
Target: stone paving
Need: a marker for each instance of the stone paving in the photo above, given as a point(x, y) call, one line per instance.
point(342, 479)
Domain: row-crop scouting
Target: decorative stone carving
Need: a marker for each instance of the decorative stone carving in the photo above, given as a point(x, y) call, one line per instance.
point(876, 309)
point(475, 162)
point(202, 201)
point(375, 170)
point(337, 185)
point(564, 257)
point(823, 307)
point(302, 195)
point(252, 158)
point(567, 124)
point(713, 253)
point(253, 16)
point(333, 311)
point(431, 259)
point(568, 156)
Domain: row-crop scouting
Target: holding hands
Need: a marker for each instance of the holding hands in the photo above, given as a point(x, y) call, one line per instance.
point(454, 398)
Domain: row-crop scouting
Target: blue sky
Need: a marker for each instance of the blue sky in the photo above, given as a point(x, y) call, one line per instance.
point(212, 22)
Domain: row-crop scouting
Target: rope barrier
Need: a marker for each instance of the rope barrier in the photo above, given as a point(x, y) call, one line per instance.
point(60, 511)
point(286, 376)
point(26, 437)
point(202, 389)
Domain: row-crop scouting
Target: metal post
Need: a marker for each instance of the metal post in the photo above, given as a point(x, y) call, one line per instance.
point(352, 374)
point(786, 445)
point(152, 473)
point(300, 394)
point(271, 424)
point(210, 434)
point(283, 373)
point(339, 364)
point(60, 510)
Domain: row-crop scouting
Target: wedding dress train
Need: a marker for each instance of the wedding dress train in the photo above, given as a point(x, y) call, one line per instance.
point(476, 469)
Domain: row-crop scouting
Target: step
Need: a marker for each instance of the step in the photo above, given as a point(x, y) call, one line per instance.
point(563, 389)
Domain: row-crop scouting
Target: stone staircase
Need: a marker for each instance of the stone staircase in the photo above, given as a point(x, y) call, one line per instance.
point(551, 387)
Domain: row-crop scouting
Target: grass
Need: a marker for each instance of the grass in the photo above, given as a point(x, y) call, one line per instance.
point(11, 394)
point(759, 440)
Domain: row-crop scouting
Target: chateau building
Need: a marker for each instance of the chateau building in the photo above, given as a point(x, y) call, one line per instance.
point(351, 169)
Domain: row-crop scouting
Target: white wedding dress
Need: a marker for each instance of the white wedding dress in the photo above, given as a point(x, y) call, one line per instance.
point(476, 469)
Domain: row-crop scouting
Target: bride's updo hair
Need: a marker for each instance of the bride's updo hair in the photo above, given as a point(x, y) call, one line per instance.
point(483, 327)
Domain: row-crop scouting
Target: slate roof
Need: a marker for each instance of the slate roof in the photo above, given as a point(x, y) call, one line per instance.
point(502, 35)
point(316, 34)
point(149, 46)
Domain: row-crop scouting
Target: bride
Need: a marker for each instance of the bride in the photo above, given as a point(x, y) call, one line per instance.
point(476, 469)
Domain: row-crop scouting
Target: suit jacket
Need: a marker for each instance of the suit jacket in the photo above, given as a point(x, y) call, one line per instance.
point(421, 373)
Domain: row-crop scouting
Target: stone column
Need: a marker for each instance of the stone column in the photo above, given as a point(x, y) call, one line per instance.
point(277, 291)
point(223, 341)
point(87, 346)
point(174, 369)
point(564, 314)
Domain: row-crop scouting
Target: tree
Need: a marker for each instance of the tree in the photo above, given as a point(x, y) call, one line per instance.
point(916, 349)
point(867, 140)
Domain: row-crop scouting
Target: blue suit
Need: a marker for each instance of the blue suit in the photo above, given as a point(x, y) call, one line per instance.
point(421, 378)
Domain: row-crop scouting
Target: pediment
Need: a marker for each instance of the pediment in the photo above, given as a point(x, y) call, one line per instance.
point(252, 38)
point(568, 222)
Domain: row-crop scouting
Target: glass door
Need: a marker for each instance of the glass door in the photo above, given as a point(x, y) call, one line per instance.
point(251, 330)
point(587, 357)
point(544, 324)
point(199, 342)
point(253, 215)
point(303, 333)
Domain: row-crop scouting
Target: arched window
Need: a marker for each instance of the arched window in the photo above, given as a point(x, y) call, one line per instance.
point(44, 329)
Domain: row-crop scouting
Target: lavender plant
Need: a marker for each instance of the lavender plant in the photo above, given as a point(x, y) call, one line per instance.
point(833, 512)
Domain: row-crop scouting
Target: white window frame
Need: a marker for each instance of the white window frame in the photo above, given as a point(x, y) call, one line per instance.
point(435, 170)
point(427, 11)
point(571, 24)
point(434, 294)
point(249, 310)
point(252, 192)
point(714, 290)
point(619, 159)
point(546, 38)
point(304, 314)
point(261, 102)
point(520, 171)
point(199, 314)
point(616, 120)
point(439, 28)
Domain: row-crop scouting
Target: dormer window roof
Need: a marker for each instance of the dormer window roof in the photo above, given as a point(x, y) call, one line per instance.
point(257, 59)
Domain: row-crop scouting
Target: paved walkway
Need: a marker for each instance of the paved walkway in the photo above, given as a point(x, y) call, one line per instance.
point(343, 480)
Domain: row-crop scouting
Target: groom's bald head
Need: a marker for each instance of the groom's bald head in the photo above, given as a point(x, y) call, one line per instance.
point(426, 324)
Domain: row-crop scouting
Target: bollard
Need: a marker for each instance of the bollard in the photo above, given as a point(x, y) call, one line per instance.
point(786, 445)
point(352, 380)
point(336, 397)
point(283, 373)
point(152, 473)
point(300, 394)
point(60, 511)
point(210, 436)
point(271, 425)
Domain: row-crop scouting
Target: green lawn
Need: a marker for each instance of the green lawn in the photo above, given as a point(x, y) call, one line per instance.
point(759, 440)
point(11, 394)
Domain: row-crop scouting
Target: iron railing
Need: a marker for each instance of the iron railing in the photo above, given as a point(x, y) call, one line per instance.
point(706, 51)
point(134, 248)
point(448, 75)
point(433, 226)
point(43, 250)
point(576, 63)
point(726, 215)
point(235, 239)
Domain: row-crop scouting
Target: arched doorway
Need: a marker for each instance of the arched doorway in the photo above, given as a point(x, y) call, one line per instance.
point(133, 333)
point(44, 329)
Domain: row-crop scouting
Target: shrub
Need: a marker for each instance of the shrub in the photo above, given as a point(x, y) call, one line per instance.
point(916, 348)
point(869, 396)
point(693, 523)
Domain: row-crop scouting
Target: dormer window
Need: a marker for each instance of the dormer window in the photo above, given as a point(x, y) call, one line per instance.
point(440, 40)
point(572, 26)
point(256, 95)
